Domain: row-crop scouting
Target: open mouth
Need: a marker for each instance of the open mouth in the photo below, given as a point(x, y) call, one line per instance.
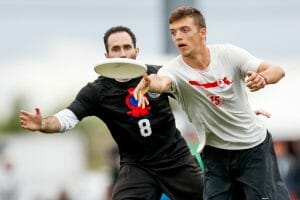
point(181, 45)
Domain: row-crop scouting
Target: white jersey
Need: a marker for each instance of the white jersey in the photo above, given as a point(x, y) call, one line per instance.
point(215, 99)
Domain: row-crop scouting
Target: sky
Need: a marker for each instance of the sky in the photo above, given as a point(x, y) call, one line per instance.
point(48, 49)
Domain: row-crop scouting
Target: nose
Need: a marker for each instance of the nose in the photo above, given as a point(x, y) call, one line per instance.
point(122, 54)
point(177, 36)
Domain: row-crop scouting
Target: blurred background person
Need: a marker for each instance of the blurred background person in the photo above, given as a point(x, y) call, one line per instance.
point(293, 177)
point(9, 183)
point(284, 158)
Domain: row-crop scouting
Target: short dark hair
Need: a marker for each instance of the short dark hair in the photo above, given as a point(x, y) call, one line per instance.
point(117, 29)
point(185, 11)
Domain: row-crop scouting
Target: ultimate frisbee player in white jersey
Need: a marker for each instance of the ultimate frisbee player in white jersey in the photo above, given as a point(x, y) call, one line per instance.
point(209, 83)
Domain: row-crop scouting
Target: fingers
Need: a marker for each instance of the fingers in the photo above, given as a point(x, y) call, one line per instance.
point(250, 75)
point(263, 113)
point(38, 111)
point(25, 113)
point(254, 81)
point(266, 114)
point(142, 101)
point(140, 90)
point(146, 80)
point(30, 120)
point(24, 118)
point(139, 96)
point(23, 121)
point(136, 91)
point(145, 76)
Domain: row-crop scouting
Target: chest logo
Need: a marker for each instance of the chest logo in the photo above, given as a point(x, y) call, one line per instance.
point(135, 111)
point(219, 83)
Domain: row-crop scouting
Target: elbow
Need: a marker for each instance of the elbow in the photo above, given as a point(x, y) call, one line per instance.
point(282, 73)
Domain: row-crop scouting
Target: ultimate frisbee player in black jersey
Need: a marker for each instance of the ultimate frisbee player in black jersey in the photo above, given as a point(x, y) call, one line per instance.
point(155, 158)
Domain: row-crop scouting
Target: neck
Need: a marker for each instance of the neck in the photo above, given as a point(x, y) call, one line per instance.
point(199, 60)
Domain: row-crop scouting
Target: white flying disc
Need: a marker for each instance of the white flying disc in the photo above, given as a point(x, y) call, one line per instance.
point(120, 68)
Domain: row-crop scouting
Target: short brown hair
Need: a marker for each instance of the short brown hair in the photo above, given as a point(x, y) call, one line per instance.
point(118, 29)
point(187, 11)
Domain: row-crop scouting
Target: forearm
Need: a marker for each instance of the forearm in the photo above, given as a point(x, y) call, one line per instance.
point(272, 73)
point(50, 125)
point(160, 84)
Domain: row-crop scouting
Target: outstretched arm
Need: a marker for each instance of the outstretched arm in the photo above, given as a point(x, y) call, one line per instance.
point(152, 83)
point(266, 74)
point(35, 122)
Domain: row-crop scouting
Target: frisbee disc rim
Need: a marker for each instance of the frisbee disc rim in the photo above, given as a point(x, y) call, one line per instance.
point(112, 68)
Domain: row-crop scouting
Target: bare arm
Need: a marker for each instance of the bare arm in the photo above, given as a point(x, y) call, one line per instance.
point(35, 122)
point(152, 83)
point(159, 84)
point(266, 74)
point(271, 72)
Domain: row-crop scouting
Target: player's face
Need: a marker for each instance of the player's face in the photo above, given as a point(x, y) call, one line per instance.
point(187, 37)
point(120, 46)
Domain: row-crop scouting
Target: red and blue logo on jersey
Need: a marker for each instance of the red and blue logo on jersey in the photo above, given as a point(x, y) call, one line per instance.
point(135, 111)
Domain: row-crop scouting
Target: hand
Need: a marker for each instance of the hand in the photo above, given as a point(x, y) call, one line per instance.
point(263, 113)
point(141, 89)
point(30, 121)
point(255, 81)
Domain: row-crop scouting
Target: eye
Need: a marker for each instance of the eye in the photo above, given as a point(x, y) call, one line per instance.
point(127, 47)
point(185, 29)
point(173, 32)
point(116, 49)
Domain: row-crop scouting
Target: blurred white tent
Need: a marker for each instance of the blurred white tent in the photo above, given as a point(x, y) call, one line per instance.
point(46, 165)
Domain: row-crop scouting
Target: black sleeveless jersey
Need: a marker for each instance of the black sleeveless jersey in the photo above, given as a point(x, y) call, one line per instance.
point(144, 136)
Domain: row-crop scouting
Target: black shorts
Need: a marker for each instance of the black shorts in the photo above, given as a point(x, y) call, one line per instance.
point(243, 174)
point(180, 183)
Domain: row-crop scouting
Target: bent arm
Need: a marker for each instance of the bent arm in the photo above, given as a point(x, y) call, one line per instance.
point(266, 74)
point(271, 73)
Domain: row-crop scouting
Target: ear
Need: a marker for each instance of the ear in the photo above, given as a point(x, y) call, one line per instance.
point(203, 33)
point(106, 55)
point(137, 51)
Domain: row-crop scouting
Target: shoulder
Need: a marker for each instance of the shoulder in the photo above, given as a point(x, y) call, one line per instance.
point(221, 47)
point(227, 47)
point(152, 69)
point(92, 87)
point(177, 61)
point(227, 50)
point(96, 83)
